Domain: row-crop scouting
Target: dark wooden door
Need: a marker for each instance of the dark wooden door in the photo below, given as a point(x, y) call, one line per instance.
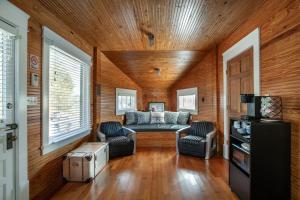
point(240, 81)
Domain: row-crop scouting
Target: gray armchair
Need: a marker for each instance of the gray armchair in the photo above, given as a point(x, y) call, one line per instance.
point(121, 140)
point(197, 140)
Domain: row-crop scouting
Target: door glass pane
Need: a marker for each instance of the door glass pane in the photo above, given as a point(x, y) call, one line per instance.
point(6, 76)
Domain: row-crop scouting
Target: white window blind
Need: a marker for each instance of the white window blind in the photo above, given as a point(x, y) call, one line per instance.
point(66, 92)
point(187, 100)
point(7, 62)
point(125, 100)
point(66, 95)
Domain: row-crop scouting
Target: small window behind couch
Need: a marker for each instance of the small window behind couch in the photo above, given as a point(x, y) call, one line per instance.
point(125, 100)
point(187, 100)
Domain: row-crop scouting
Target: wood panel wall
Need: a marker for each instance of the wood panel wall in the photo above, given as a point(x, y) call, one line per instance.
point(111, 78)
point(156, 95)
point(203, 76)
point(280, 51)
point(44, 171)
point(97, 91)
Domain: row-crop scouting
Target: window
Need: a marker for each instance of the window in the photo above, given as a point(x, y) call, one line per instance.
point(7, 65)
point(125, 101)
point(66, 92)
point(187, 100)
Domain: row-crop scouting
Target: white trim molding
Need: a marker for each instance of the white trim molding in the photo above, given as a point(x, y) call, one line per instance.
point(251, 40)
point(19, 19)
point(51, 38)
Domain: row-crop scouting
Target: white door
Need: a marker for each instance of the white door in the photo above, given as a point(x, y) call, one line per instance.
point(7, 133)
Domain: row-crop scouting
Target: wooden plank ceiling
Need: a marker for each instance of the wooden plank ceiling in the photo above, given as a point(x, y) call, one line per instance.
point(140, 65)
point(177, 25)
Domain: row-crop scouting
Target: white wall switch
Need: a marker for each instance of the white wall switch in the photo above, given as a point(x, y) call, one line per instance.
point(32, 101)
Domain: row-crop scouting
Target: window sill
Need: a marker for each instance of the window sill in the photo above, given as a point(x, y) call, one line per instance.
point(54, 146)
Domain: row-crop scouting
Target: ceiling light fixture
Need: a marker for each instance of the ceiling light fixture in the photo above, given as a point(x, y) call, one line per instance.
point(151, 39)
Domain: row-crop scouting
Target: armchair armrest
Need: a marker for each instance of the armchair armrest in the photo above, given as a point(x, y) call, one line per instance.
point(100, 136)
point(211, 143)
point(178, 135)
point(131, 134)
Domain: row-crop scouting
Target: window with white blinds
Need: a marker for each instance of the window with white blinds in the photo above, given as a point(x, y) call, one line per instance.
point(187, 100)
point(125, 100)
point(7, 61)
point(66, 78)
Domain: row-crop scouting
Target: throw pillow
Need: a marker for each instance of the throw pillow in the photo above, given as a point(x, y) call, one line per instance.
point(143, 117)
point(171, 117)
point(183, 118)
point(130, 118)
point(157, 117)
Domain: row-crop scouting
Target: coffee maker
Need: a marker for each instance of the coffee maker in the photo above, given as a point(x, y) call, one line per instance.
point(253, 106)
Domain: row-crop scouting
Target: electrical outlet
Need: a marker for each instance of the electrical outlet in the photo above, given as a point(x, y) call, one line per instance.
point(31, 101)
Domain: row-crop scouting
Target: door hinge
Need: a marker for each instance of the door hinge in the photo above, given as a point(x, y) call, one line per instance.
point(12, 126)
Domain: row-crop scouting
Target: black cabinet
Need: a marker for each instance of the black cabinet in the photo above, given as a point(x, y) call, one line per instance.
point(261, 171)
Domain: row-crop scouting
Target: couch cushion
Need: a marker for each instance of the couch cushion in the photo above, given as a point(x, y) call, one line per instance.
point(191, 139)
point(183, 117)
point(143, 117)
point(171, 117)
point(157, 118)
point(156, 127)
point(130, 118)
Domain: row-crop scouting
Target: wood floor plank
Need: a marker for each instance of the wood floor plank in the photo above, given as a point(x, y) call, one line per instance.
point(155, 174)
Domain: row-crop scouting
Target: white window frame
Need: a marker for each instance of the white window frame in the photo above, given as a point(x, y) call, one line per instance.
point(125, 92)
point(51, 38)
point(18, 18)
point(185, 92)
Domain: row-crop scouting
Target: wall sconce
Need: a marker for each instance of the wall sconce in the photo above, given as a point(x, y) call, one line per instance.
point(157, 71)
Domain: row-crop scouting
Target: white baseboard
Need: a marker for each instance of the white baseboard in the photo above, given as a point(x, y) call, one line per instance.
point(226, 151)
point(23, 191)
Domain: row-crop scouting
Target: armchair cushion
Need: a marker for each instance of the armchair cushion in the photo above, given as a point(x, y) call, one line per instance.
point(118, 140)
point(111, 129)
point(191, 139)
point(201, 128)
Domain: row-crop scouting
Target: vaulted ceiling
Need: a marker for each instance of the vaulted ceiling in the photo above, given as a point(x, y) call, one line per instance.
point(120, 27)
point(140, 65)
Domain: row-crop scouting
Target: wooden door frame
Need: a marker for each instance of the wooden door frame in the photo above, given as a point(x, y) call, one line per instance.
point(251, 40)
point(19, 19)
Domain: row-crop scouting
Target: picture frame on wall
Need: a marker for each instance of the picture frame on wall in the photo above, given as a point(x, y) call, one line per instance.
point(156, 106)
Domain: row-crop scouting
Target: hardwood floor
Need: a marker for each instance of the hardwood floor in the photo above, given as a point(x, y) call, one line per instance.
point(156, 174)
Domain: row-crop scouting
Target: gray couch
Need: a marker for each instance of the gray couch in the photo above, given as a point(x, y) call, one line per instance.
point(156, 122)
